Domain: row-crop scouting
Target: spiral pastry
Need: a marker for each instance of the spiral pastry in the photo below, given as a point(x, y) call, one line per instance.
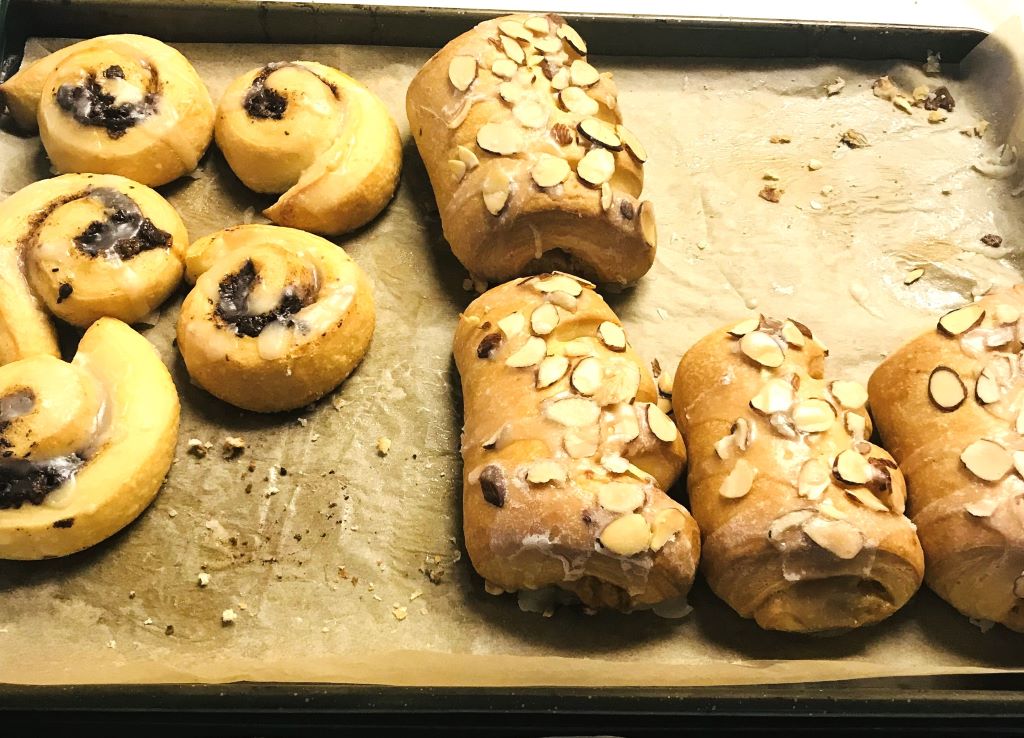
point(278, 317)
point(84, 445)
point(123, 104)
point(83, 246)
point(316, 135)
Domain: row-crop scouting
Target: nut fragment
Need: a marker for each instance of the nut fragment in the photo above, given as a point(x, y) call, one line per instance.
point(550, 171)
point(851, 467)
point(987, 460)
point(1005, 314)
point(854, 139)
point(569, 34)
point(505, 68)
point(596, 167)
point(744, 327)
point(579, 347)
point(763, 349)
point(835, 87)
point(558, 283)
point(458, 168)
point(667, 523)
point(544, 319)
point(510, 92)
point(775, 396)
point(647, 226)
point(573, 412)
point(771, 193)
point(576, 100)
point(537, 24)
point(586, 377)
point(632, 143)
point(600, 132)
point(850, 395)
point(546, 471)
point(530, 113)
point(612, 336)
point(913, 275)
point(513, 50)
point(515, 29)
point(627, 535)
point(530, 354)
point(982, 508)
point(493, 439)
point(560, 80)
point(961, 320)
point(462, 72)
point(578, 446)
point(986, 388)
point(493, 485)
point(606, 196)
point(792, 335)
point(837, 536)
point(547, 45)
point(813, 479)
point(467, 157)
point(868, 500)
point(813, 416)
point(739, 481)
point(512, 324)
point(661, 425)
point(946, 389)
point(583, 74)
point(620, 497)
point(495, 191)
point(499, 138)
point(550, 370)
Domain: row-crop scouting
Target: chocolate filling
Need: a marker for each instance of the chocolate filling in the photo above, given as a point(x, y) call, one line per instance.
point(91, 105)
point(126, 232)
point(264, 102)
point(234, 302)
point(24, 481)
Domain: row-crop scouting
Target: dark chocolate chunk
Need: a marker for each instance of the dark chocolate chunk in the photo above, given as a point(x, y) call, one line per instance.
point(493, 485)
point(940, 98)
point(126, 232)
point(91, 105)
point(64, 292)
point(114, 71)
point(24, 481)
point(991, 239)
point(488, 345)
point(627, 210)
point(64, 523)
point(234, 299)
point(269, 104)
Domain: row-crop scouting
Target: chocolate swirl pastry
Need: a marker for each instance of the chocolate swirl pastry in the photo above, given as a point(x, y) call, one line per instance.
point(317, 136)
point(122, 104)
point(277, 318)
point(84, 445)
point(83, 246)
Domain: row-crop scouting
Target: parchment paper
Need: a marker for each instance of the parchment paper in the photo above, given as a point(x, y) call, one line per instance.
point(317, 557)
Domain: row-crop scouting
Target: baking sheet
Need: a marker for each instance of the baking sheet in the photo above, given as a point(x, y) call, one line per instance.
point(346, 565)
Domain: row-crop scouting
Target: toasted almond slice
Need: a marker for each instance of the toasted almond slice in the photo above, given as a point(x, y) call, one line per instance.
point(563, 299)
point(868, 500)
point(550, 171)
point(577, 101)
point(813, 479)
point(620, 384)
point(515, 29)
point(627, 427)
point(495, 190)
point(632, 143)
point(586, 377)
point(538, 24)
point(813, 416)
point(525, 77)
point(792, 335)
point(583, 74)
point(547, 45)
point(726, 447)
point(510, 92)
point(648, 229)
point(850, 395)
point(569, 34)
point(982, 508)
point(530, 113)
point(578, 446)
point(667, 523)
point(492, 441)
point(573, 412)
point(458, 168)
point(500, 138)
point(782, 424)
point(744, 327)
point(530, 354)
point(600, 132)
point(550, 370)
point(986, 388)
point(558, 283)
point(513, 50)
point(579, 347)
point(739, 481)
point(837, 536)
point(504, 67)
point(855, 425)
point(560, 80)
point(913, 275)
point(787, 522)
point(945, 388)
point(544, 319)
point(665, 383)
point(606, 196)
point(546, 471)
point(828, 508)
point(615, 464)
point(596, 167)
point(512, 324)
point(1005, 314)
point(462, 72)
point(467, 157)
point(987, 460)
point(851, 467)
point(620, 497)
point(612, 336)
point(961, 320)
point(665, 405)
point(661, 425)
point(627, 535)
point(775, 396)
point(763, 349)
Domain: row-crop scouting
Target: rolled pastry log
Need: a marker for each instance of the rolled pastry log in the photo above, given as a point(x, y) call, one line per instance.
point(566, 454)
point(802, 516)
point(950, 406)
point(316, 135)
point(86, 444)
point(529, 161)
point(277, 319)
point(83, 246)
point(122, 104)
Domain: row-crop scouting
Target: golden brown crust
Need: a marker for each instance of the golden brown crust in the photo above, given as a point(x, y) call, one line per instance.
point(787, 541)
point(500, 220)
point(972, 530)
point(563, 483)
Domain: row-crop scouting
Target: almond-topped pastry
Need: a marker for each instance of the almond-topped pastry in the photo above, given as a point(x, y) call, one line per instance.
point(802, 516)
point(531, 166)
point(122, 104)
point(950, 407)
point(566, 453)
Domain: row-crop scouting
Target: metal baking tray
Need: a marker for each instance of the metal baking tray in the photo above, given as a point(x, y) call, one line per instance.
point(994, 703)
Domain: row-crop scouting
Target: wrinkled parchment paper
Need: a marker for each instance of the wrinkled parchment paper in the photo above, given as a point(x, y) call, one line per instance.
point(344, 565)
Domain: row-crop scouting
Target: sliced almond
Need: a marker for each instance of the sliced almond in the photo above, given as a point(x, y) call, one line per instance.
point(547, 45)
point(458, 168)
point(665, 383)
point(763, 349)
point(945, 388)
point(868, 500)
point(550, 171)
point(744, 327)
point(510, 92)
point(782, 424)
point(612, 336)
point(492, 441)
point(982, 508)
point(814, 479)
point(620, 497)
point(620, 384)
point(792, 335)
point(913, 275)
point(743, 433)
point(512, 324)
point(462, 72)
point(560, 80)
point(550, 370)
point(586, 377)
point(828, 508)
point(648, 229)
point(600, 132)
point(579, 446)
point(563, 299)
point(513, 50)
point(537, 24)
point(987, 460)
point(665, 405)
point(515, 29)
point(667, 523)
point(661, 425)
point(495, 190)
point(615, 463)
point(961, 320)
point(569, 34)
point(579, 347)
point(739, 481)
point(577, 101)
point(504, 67)
point(573, 412)
point(632, 143)
point(596, 167)
point(546, 471)
point(500, 138)
point(530, 113)
point(785, 523)
point(850, 395)
point(775, 396)
point(606, 196)
point(837, 536)
point(813, 416)
point(627, 427)
point(855, 425)
point(583, 74)
point(558, 283)
point(467, 157)
point(544, 319)
point(1005, 314)
point(627, 535)
point(986, 388)
point(530, 354)
point(851, 467)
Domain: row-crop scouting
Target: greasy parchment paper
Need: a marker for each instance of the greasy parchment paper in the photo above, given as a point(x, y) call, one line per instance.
point(316, 557)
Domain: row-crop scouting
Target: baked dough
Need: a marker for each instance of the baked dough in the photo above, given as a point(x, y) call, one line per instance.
point(802, 516)
point(277, 319)
point(83, 246)
point(86, 444)
point(121, 104)
point(566, 454)
point(316, 135)
point(529, 161)
point(950, 407)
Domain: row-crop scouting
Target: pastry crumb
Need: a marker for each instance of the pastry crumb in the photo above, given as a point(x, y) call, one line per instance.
point(400, 613)
point(203, 579)
point(854, 139)
point(232, 447)
point(814, 164)
point(835, 87)
point(779, 139)
point(770, 175)
point(992, 240)
point(198, 448)
point(302, 421)
point(771, 193)
point(228, 617)
point(383, 445)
